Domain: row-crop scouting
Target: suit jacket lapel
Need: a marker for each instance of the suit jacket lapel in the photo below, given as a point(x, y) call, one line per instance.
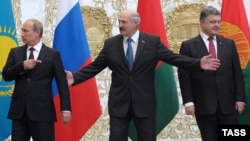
point(120, 49)
point(140, 46)
point(24, 52)
point(201, 46)
point(42, 52)
point(220, 47)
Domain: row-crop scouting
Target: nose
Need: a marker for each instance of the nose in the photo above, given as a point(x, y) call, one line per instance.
point(120, 24)
point(217, 23)
point(22, 33)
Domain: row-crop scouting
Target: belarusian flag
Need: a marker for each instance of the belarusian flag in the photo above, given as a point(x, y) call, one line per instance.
point(235, 26)
point(167, 98)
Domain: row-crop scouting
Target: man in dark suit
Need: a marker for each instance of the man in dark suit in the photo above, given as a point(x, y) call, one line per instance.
point(132, 93)
point(32, 109)
point(214, 97)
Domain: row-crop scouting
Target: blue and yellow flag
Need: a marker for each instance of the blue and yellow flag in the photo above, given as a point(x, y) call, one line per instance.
point(7, 41)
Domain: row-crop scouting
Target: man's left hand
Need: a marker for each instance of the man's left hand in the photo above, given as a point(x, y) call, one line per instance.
point(209, 63)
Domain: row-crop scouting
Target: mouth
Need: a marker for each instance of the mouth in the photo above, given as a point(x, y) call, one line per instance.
point(121, 29)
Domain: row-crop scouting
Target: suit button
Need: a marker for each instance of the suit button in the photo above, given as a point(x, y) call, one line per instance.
point(28, 79)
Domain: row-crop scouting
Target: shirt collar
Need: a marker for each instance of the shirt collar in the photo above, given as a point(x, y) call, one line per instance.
point(134, 37)
point(205, 36)
point(37, 47)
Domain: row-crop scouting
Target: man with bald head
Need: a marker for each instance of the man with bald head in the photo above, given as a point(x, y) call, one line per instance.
point(33, 66)
point(132, 57)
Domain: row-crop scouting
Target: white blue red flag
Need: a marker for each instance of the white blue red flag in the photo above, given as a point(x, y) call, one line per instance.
point(70, 39)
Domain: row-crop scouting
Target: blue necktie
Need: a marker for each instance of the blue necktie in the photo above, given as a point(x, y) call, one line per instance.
point(129, 54)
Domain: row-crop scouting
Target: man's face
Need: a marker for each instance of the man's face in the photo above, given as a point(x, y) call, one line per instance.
point(127, 27)
point(211, 25)
point(29, 36)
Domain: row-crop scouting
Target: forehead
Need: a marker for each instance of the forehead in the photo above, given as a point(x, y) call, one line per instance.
point(28, 23)
point(124, 15)
point(213, 17)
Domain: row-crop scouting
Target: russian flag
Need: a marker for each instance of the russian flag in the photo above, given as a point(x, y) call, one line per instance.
point(70, 39)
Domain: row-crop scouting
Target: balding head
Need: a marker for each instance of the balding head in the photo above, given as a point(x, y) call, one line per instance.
point(32, 31)
point(129, 21)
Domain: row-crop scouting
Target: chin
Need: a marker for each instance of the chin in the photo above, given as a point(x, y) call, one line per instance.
point(122, 33)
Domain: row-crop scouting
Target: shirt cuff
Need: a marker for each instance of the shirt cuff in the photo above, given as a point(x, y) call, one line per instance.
point(188, 104)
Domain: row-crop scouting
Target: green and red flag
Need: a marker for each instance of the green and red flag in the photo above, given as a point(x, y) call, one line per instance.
point(235, 26)
point(167, 98)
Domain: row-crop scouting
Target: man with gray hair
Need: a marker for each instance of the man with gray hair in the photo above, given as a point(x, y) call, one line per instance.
point(132, 57)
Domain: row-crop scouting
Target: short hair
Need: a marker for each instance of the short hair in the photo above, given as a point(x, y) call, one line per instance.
point(208, 10)
point(37, 25)
point(135, 17)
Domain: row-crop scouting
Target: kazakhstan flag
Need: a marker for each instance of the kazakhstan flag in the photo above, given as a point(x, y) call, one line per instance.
point(7, 41)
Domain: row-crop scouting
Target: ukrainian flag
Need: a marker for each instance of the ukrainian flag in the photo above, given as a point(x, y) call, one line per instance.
point(7, 41)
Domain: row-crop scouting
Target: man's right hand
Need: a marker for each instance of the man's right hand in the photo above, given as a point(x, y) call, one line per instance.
point(29, 64)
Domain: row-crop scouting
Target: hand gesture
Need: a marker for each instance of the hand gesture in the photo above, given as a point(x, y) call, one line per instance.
point(29, 64)
point(70, 77)
point(209, 63)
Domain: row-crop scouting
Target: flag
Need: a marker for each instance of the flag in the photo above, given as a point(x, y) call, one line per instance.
point(166, 90)
point(235, 26)
point(8, 40)
point(70, 39)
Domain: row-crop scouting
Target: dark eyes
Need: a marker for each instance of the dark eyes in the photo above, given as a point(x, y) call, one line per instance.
point(214, 22)
point(123, 22)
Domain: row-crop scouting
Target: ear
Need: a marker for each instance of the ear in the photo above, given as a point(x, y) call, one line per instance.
point(38, 32)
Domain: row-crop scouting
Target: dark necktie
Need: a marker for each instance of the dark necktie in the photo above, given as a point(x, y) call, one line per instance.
point(211, 47)
point(129, 54)
point(31, 53)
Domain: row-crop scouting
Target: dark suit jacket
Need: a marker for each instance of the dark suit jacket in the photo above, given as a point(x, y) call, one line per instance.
point(135, 87)
point(33, 89)
point(207, 89)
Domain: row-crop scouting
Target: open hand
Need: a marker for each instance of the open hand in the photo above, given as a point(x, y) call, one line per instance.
point(209, 63)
